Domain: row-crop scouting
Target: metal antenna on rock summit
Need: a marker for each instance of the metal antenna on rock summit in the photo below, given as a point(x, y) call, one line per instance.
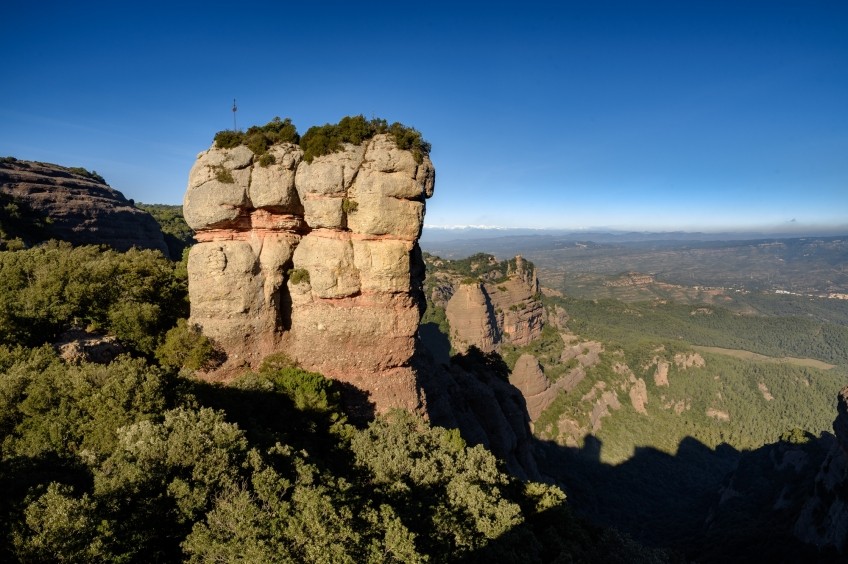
point(235, 109)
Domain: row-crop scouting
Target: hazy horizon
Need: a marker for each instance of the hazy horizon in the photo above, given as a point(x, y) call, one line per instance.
point(657, 116)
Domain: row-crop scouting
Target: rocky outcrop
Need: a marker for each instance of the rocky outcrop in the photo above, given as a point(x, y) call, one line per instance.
point(502, 305)
point(519, 310)
point(823, 521)
point(318, 260)
point(473, 394)
point(530, 379)
point(472, 319)
point(79, 206)
point(76, 346)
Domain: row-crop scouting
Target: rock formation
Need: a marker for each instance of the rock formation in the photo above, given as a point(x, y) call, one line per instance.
point(516, 301)
point(472, 319)
point(530, 379)
point(318, 260)
point(824, 518)
point(79, 206)
point(502, 307)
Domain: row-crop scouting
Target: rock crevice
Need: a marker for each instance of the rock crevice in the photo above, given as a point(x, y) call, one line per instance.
point(318, 260)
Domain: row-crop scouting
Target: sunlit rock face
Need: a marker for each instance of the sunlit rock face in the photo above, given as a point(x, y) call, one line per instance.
point(317, 260)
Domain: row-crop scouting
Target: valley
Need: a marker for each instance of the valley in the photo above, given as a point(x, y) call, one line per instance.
point(649, 394)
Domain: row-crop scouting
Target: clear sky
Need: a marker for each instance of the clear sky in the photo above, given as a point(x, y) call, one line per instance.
point(685, 114)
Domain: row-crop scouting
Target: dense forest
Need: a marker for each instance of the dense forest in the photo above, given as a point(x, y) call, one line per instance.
point(137, 461)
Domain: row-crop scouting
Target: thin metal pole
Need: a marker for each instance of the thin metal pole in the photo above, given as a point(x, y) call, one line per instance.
point(235, 109)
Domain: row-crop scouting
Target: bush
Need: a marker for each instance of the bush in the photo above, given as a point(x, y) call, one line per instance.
point(185, 346)
point(329, 138)
point(228, 139)
point(46, 290)
point(267, 159)
point(298, 275)
point(349, 206)
point(90, 174)
point(324, 139)
point(223, 175)
point(259, 138)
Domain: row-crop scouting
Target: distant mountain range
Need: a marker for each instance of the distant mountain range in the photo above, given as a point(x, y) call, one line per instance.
point(468, 234)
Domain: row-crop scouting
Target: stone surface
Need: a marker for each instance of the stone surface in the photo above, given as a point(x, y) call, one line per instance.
point(80, 209)
point(211, 201)
point(273, 187)
point(317, 260)
point(519, 311)
point(472, 319)
point(531, 381)
point(76, 346)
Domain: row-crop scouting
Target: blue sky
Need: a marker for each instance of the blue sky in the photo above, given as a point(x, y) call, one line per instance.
point(694, 115)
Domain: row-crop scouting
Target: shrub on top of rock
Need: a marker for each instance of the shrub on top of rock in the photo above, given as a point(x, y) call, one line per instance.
point(259, 138)
point(324, 139)
point(329, 138)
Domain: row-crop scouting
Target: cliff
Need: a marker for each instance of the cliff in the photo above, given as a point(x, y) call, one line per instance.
point(488, 303)
point(823, 521)
point(78, 206)
point(318, 260)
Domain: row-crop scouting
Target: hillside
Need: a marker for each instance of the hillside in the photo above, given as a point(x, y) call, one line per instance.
point(47, 201)
point(242, 403)
point(642, 410)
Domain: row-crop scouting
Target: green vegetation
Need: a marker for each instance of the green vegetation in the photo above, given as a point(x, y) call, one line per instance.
point(298, 276)
point(90, 174)
point(547, 349)
point(20, 226)
point(322, 140)
point(132, 462)
point(178, 235)
point(259, 138)
point(223, 174)
point(136, 295)
point(329, 138)
point(185, 346)
point(615, 321)
point(128, 463)
point(478, 267)
point(267, 159)
point(349, 206)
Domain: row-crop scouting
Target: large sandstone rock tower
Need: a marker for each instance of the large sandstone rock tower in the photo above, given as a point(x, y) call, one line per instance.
point(318, 260)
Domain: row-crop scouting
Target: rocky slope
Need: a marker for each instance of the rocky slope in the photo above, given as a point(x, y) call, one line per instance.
point(487, 302)
point(823, 521)
point(78, 206)
point(318, 260)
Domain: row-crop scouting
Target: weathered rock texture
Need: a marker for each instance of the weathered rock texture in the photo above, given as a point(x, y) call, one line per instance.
point(824, 518)
point(530, 379)
point(519, 310)
point(486, 314)
point(79, 208)
point(472, 319)
point(472, 393)
point(317, 260)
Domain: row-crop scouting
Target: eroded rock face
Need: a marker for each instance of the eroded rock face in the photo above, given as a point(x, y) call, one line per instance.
point(823, 521)
point(531, 381)
point(318, 260)
point(472, 319)
point(81, 208)
point(519, 311)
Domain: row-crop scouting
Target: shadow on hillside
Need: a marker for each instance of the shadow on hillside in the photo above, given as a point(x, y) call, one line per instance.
point(672, 501)
point(658, 499)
